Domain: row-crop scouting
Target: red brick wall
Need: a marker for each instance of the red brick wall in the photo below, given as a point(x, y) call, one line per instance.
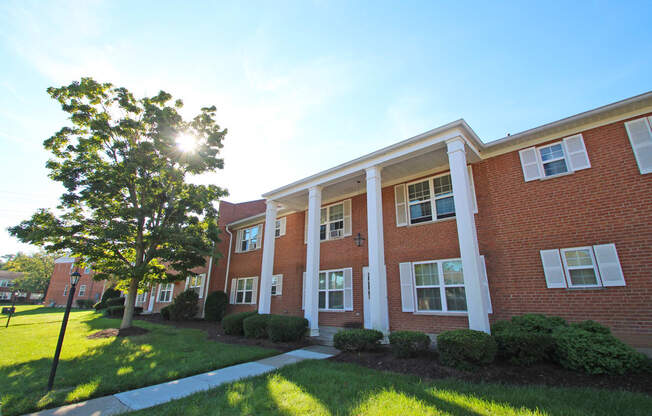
point(61, 278)
point(611, 202)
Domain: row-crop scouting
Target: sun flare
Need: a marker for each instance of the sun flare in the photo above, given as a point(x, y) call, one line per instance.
point(186, 143)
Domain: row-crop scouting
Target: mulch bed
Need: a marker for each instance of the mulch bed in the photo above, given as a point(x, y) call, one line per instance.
point(115, 332)
point(500, 372)
point(215, 333)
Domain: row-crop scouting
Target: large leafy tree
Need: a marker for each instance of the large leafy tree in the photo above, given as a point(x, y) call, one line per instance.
point(37, 269)
point(129, 210)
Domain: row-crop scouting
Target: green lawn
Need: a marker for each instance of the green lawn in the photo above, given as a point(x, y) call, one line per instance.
point(97, 367)
point(332, 388)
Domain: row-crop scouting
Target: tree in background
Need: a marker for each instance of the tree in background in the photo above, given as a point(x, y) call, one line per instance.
point(37, 270)
point(128, 209)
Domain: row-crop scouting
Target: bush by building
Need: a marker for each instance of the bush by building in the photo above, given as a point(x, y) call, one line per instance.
point(465, 348)
point(357, 339)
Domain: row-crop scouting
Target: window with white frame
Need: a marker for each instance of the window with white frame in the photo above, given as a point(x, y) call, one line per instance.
point(244, 290)
point(195, 283)
point(553, 159)
point(4, 283)
point(249, 238)
point(65, 291)
point(580, 267)
point(5, 295)
point(431, 199)
point(165, 292)
point(141, 298)
point(331, 290)
point(82, 290)
point(439, 286)
point(332, 222)
point(279, 227)
point(639, 132)
point(565, 156)
point(277, 285)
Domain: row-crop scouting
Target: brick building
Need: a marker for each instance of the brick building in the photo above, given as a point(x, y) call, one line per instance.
point(444, 231)
point(87, 288)
point(8, 293)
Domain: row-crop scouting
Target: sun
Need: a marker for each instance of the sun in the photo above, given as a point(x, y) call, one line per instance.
point(186, 143)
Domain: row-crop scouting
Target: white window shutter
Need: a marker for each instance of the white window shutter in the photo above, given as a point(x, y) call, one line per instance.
point(485, 284)
point(303, 293)
point(259, 236)
point(609, 265)
point(187, 281)
point(640, 137)
point(530, 164)
point(202, 284)
point(576, 152)
point(234, 284)
point(283, 225)
point(348, 289)
point(401, 205)
point(407, 291)
point(279, 284)
point(238, 239)
point(347, 217)
point(474, 201)
point(254, 294)
point(305, 228)
point(553, 269)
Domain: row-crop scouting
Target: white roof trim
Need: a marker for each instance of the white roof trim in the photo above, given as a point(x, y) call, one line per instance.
point(65, 260)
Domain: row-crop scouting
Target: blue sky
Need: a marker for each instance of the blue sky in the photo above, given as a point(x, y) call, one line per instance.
point(303, 86)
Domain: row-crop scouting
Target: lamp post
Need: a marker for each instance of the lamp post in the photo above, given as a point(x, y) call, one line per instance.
point(13, 304)
point(74, 278)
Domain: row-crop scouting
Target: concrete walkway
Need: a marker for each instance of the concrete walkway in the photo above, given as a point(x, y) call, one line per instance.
point(161, 393)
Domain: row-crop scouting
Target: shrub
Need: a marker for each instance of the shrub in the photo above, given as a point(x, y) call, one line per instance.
point(357, 339)
point(85, 303)
point(185, 306)
point(521, 347)
point(281, 328)
point(232, 324)
point(114, 302)
point(592, 326)
point(255, 326)
point(119, 310)
point(595, 353)
point(466, 348)
point(165, 312)
point(215, 306)
point(100, 305)
point(408, 343)
point(534, 322)
point(110, 293)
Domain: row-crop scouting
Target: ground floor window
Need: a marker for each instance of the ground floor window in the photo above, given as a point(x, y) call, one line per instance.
point(5, 295)
point(82, 290)
point(244, 290)
point(581, 268)
point(65, 291)
point(331, 290)
point(439, 286)
point(165, 292)
point(277, 285)
point(141, 298)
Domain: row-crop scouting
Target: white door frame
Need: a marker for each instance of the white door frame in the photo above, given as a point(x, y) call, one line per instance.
point(366, 293)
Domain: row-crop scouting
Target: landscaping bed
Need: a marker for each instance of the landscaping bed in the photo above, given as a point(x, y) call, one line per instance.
point(546, 374)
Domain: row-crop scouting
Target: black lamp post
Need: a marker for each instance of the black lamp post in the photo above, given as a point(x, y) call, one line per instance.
point(13, 304)
point(74, 278)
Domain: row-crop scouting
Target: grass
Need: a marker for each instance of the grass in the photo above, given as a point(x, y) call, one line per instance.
point(332, 388)
point(97, 367)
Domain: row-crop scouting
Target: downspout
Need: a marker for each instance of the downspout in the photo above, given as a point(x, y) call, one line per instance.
point(228, 259)
point(208, 282)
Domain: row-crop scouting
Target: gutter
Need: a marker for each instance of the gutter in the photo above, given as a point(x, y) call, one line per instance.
point(228, 259)
point(208, 283)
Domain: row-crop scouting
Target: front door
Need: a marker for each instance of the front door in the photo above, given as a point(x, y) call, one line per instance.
point(366, 297)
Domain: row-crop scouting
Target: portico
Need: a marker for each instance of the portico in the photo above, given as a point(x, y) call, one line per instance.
point(452, 146)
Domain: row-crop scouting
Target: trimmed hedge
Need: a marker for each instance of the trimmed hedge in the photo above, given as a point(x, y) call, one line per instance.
point(184, 307)
point(595, 353)
point(357, 339)
point(85, 303)
point(114, 302)
point(282, 328)
point(118, 311)
point(408, 343)
point(535, 322)
point(521, 347)
point(166, 312)
point(110, 293)
point(466, 348)
point(232, 324)
point(255, 326)
point(592, 326)
point(215, 306)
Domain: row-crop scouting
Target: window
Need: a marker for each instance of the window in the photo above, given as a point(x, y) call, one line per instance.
point(5, 295)
point(439, 286)
point(65, 291)
point(82, 290)
point(277, 285)
point(639, 132)
point(244, 290)
point(165, 292)
point(580, 266)
point(279, 227)
point(431, 199)
point(141, 298)
point(249, 238)
point(4, 283)
point(553, 159)
point(331, 290)
point(332, 222)
point(195, 283)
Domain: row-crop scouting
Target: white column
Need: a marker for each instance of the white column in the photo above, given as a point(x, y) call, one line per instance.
point(468, 236)
point(267, 268)
point(377, 275)
point(311, 312)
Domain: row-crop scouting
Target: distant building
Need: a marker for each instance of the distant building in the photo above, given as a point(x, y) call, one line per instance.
point(7, 291)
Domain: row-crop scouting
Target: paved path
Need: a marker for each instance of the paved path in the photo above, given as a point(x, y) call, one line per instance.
point(161, 393)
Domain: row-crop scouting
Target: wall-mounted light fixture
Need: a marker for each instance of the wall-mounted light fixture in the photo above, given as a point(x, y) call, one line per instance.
point(359, 239)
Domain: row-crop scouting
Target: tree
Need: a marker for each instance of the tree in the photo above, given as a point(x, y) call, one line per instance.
point(129, 210)
point(37, 270)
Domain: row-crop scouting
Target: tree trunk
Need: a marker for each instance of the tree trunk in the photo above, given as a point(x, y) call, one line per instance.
point(128, 316)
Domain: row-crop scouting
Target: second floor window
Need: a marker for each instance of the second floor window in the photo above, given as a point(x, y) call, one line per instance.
point(195, 283)
point(332, 222)
point(249, 238)
point(431, 199)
